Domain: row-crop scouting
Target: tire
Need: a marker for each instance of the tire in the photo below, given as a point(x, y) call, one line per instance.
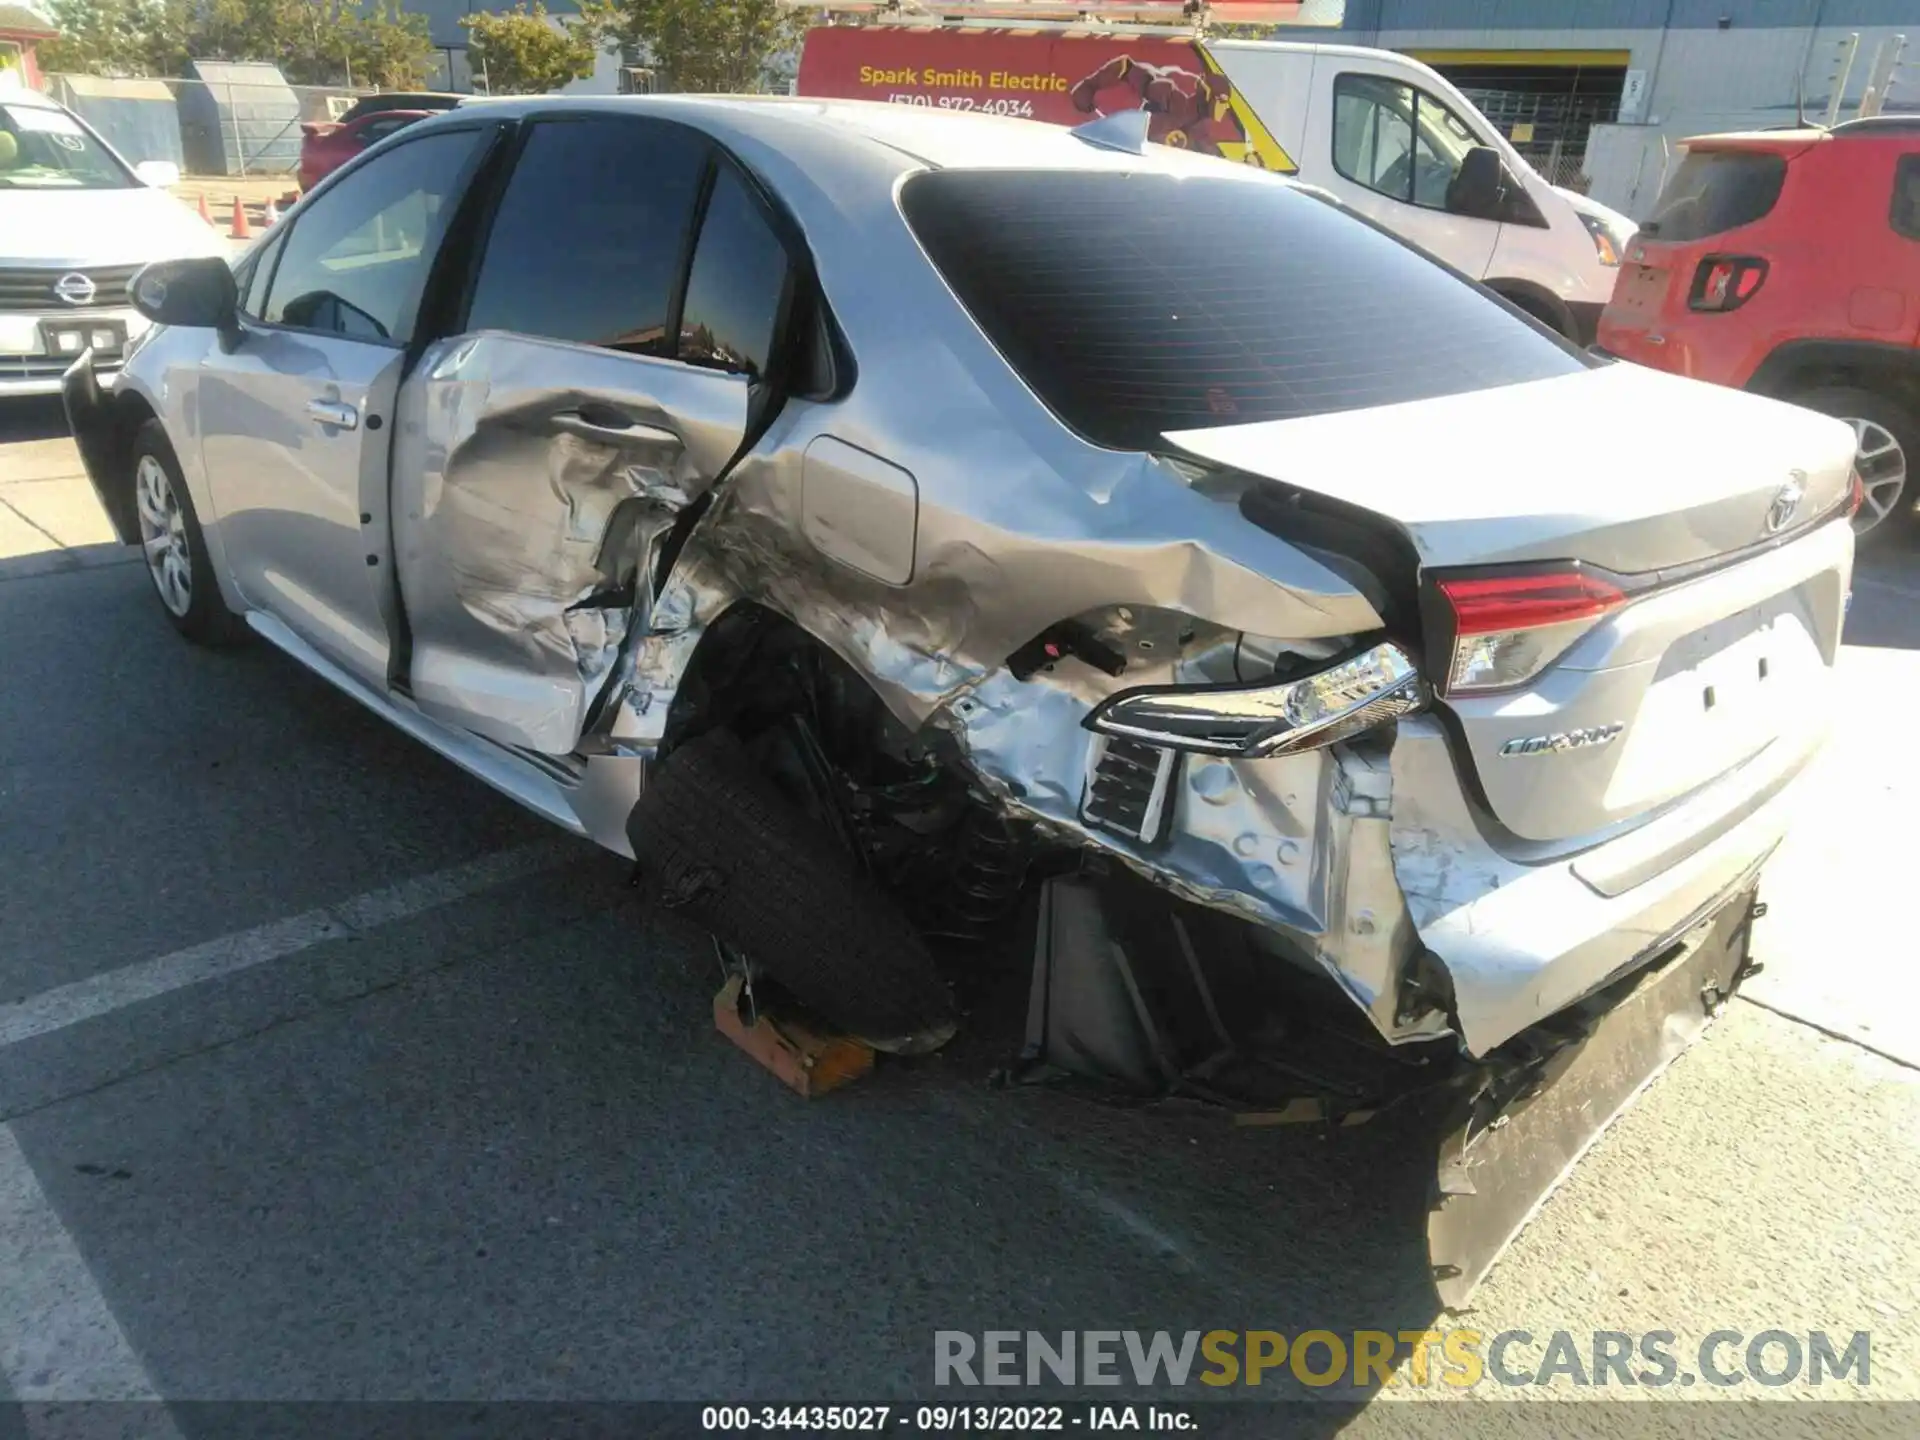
point(1889, 444)
point(718, 844)
point(172, 544)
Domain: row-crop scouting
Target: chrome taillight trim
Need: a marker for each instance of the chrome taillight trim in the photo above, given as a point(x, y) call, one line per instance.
point(1274, 717)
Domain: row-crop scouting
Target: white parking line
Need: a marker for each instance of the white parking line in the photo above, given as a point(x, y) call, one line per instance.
point(101, 994)
point(58, 1340)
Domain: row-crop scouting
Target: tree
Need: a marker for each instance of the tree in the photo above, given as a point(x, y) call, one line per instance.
point(116, 37)
point(526, 52)
point(314, 42)
point(390, 47)
point(725, 45)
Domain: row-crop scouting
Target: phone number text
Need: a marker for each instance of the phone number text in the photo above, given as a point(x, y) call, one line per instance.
point(1022, 108)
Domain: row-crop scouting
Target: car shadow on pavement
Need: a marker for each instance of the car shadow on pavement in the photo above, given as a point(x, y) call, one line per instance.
point(1885, 610)
point(38, 417)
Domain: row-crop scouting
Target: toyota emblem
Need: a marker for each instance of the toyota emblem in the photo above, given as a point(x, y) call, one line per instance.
point(1786, 501)
point(74, 288)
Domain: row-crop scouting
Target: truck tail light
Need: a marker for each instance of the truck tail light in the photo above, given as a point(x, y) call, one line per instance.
point(1502, 630)
point(1726, 282)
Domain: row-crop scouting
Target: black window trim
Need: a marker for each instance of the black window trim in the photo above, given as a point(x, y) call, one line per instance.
point(463, 183)
point(1904, 164)
point(268, 255)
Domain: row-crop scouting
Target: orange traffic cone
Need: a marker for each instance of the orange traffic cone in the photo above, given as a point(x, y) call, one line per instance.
point(205, 214)
point(241, 230)
point(273, 213)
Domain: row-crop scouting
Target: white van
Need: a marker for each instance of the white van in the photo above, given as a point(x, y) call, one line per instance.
point(1386, 135)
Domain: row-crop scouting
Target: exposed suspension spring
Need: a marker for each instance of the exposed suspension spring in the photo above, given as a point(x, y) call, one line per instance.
point(989, 871)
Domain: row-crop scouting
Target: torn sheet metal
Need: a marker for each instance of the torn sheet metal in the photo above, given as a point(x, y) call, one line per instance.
point(1297, 844)
point(535, 485)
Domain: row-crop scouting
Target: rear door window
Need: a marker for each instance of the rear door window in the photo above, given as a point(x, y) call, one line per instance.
point(1715, 191)
point(1905, 214)
point(1135, 304)
point(737, 291)
point(590, 239)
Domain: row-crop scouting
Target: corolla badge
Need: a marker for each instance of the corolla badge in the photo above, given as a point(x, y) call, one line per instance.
point(74, 288)
point(1565, 740)
point(1786, 503)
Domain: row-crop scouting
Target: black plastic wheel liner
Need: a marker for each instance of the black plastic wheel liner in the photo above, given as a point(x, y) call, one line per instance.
point(717, 843)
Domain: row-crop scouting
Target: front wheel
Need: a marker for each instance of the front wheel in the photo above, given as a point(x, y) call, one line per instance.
point(1888, 436)
point(172, 543)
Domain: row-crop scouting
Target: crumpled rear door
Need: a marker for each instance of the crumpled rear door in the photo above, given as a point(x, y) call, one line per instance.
point(533, 483)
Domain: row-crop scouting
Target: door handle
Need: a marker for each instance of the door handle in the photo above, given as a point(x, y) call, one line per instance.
point(612, 428)
point(333, 412)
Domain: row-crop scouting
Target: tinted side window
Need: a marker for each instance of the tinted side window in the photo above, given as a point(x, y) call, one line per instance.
point(1397, 140)
point(253, 301)
point(1716, 190)
point(1288, 306)
point(590, 238)
point(356, 262)
point(1905, 214)
point(738, 286)
point(376, 130)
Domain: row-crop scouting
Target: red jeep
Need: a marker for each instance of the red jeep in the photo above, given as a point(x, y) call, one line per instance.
point(1788, 262)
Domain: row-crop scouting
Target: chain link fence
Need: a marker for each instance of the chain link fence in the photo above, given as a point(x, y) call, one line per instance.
point(243, 126)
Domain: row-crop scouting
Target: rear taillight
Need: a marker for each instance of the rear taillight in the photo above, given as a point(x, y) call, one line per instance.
point(1856, 494)
point(1506, 629)
point(1726, 282)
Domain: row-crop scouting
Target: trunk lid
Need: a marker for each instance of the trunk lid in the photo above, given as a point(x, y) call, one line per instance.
point(1621, 467)
point(1646, 476)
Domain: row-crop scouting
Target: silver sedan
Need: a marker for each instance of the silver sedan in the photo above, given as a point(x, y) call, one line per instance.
point(870, 518)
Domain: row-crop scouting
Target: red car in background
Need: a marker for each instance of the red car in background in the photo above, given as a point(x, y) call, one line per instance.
point(325, 147)
point(1788, 262)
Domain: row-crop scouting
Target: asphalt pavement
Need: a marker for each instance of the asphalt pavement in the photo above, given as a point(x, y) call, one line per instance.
point(326, 1073)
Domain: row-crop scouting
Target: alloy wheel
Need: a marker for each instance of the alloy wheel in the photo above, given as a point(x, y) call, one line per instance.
point(163, 535)
point(1882, 463)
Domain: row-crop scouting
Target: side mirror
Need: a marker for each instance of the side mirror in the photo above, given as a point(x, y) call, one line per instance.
point(1479, 190)
point(199, 293)
point(160, 174)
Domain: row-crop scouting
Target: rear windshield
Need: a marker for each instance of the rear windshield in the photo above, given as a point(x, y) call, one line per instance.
point(1716, 190)
point(1138, 304)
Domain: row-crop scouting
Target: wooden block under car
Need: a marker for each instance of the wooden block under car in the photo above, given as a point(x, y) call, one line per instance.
point(805, 1061)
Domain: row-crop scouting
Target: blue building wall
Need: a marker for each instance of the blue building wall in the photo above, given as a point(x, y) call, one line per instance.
point(1364, 17)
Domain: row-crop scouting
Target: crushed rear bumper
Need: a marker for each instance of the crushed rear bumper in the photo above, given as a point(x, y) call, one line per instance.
point(1525, 1116)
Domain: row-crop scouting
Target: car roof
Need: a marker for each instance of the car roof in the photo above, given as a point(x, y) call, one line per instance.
point(31, 98)
point(943, 139)
point(1792, 139)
